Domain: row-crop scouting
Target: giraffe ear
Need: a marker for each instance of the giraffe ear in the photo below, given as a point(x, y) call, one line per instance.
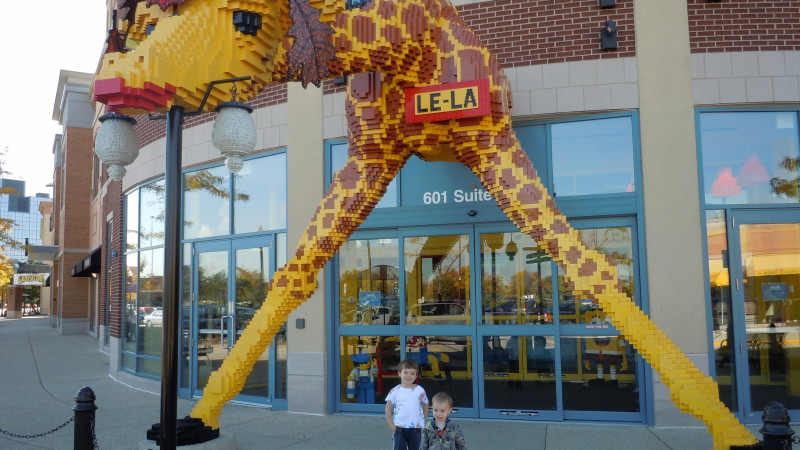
point(247, 22)
point(312, 49)
point(164, 4)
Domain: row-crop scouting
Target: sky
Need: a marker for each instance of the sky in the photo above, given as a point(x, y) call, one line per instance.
point(37, 41)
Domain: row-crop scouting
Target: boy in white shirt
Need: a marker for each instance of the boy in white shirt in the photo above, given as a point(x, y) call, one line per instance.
point(407, 407)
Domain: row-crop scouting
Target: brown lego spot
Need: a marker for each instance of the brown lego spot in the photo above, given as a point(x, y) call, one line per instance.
point(413, 17)
point(387, 10)
point(327, 220)
point(349, 175)
point(559, 227)
point(394, 36)
point(449, 70)
point(471, 65)
point(573, 255)
point(606, 276)
point(529, 195)
point(354, 202)
point(363, 29)
point(311, 232)
point(599, 289)
point(588, 268)
point(507, 179)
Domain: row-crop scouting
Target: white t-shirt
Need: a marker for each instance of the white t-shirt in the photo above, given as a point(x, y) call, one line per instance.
point(407, 406)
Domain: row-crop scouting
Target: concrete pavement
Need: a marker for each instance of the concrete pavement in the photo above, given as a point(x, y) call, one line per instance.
point(42, 371)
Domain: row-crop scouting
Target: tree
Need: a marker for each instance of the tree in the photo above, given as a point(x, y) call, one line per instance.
point(6, 225)
point(787, 187)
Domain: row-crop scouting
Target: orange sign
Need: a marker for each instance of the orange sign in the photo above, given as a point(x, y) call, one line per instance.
point(447, 101)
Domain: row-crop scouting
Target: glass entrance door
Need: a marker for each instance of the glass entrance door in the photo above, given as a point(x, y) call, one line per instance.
point(756, 310)
point(489, 318)
point(546, 352)
point(231, 280)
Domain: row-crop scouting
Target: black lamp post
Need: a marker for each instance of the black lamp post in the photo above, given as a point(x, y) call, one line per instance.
point(237, 138)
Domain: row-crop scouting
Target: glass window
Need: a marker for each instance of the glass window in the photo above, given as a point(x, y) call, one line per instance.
point(132, 220)
point(206, 203)
point(369, 282)
point(750, 157)
point(259, 201)
point(519, 372)
point(614, 242)
point(339, 158)
point(517, 280)
point(131, 327)
point(437, 279)
point(151, 224)
point(592, 157)
point(444, 363)
point(607, 365)
point(368, 368)
point(151, 301)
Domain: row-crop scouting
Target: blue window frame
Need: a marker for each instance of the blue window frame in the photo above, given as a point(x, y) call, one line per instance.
point(749, 157)
point(366, 318)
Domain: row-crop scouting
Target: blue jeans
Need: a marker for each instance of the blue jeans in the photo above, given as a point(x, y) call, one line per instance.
point(407, 438)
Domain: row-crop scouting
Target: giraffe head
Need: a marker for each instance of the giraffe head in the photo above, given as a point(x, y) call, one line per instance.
point(165, 57)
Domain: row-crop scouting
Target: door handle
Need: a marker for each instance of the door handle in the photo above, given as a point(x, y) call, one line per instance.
point(222, 332)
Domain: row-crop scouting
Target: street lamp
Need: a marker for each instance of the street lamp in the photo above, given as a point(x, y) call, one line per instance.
point(116, 146)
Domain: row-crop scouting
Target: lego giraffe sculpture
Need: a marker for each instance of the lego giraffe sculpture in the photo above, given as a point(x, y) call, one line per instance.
point(390, 46)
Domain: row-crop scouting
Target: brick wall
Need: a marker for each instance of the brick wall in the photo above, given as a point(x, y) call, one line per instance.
point(112, 204)
point(736, 26)
point(74, 228)
point(527, 32)
point(78, 149)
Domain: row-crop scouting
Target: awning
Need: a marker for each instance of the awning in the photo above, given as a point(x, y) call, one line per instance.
point(89, 265)
point(42, 252)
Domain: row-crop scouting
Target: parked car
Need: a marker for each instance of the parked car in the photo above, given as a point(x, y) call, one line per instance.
point(436, 314)
point(154, 319)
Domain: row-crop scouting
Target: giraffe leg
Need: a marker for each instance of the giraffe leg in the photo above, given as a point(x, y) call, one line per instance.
point(352, 195)
point(374, 160)
point(506, 172)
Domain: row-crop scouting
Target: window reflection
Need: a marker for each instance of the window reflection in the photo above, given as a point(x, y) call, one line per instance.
point(132, 220)
point(517, 280)
point(750, 157)
point(592, 157)
point(616, 244)
point(259, 202)
point(338, 153)
point(206, 203)
point(369, 282)
point(151, 223)
point(721, 308)
point(437, 280)
point(151, 301)
point(131, 319)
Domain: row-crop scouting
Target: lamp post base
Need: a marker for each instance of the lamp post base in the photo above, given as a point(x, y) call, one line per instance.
point(190, 431)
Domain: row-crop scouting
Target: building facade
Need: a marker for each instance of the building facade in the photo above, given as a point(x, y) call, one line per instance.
point(76, 229)
point(24, 211)
point(675, 153)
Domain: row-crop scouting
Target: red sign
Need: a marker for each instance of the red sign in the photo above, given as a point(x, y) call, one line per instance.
point(447, 101)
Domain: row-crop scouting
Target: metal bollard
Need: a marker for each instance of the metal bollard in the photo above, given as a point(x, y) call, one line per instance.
point(84, 419)
point(776, 431)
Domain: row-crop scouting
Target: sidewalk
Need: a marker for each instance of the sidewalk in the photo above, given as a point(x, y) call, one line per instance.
point(41, 371)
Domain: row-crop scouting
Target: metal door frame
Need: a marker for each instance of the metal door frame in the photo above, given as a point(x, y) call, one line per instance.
point(735, 217)
point(230, 246)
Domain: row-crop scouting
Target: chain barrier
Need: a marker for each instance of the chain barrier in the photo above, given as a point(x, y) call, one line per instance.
point(32, 436)
point(94, 436)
